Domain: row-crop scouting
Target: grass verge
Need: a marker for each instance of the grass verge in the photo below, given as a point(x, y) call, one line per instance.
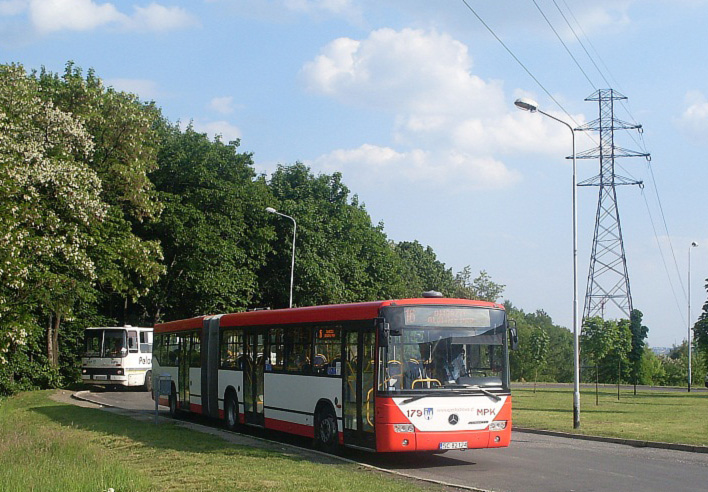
point(673, 417)
point(49, 446)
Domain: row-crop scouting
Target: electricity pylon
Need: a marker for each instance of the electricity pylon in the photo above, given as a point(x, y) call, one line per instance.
point(608, 280)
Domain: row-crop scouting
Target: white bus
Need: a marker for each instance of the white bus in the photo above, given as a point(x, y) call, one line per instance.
point(118, 356)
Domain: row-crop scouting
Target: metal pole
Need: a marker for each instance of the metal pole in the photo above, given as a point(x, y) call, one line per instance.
point(693, 245)
point(576, 328)
point(292, 266)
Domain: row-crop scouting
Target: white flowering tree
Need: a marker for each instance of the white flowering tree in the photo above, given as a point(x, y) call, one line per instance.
point(125, 151)
point(50, 199)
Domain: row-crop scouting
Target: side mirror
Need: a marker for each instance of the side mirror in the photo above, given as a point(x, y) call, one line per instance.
point(513, 335)
point(384, 332)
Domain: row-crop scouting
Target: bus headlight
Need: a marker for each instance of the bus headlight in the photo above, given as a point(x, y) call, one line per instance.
point(497, 425)
point(403, 428)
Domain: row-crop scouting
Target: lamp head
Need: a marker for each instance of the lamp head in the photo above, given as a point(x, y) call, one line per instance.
point(526, 104)
point(270, 210)
point(694, 244)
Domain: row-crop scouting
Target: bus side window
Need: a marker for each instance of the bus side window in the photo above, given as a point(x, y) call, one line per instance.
point(299, 342)
point(277, 349)
point(145, 343)
point(231, 349)
point(133, 341)
point(327, 359)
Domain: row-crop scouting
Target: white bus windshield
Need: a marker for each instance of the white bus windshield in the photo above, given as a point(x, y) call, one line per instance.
point(432, 348)
point(106, 343)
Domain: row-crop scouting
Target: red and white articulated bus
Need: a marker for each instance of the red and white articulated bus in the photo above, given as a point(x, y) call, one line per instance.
point(427, 374)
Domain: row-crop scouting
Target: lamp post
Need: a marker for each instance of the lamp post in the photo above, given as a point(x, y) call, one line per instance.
point(693, 245)
point(271, 210)
point(532, 106)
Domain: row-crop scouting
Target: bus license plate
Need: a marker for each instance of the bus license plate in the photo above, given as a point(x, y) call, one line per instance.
point(100, 377)
point(453, 445)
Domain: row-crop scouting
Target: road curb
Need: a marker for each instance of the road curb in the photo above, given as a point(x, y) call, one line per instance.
point(617, 440)
point(79, 396)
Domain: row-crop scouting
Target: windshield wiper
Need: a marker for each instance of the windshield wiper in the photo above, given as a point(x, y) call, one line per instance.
point(455, 393)
point(488, 393)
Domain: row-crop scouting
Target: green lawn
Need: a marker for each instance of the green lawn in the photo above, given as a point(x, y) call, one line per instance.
point(676, 417)
point(49, 446)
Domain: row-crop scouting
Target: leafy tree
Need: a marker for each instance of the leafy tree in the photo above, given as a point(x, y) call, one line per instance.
point(124, 136)
point(423, 271)
point(340, 255)
point(213, 230)
point(700, 333)
point(50, 200)
point(559, 356)
point(636, 354)
point(538, 345)
point(482, 287)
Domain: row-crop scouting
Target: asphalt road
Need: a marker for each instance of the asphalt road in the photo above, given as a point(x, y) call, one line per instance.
point(532, 462)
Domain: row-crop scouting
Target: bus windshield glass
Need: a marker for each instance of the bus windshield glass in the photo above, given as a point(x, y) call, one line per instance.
point(432, 348)
point(106, 343)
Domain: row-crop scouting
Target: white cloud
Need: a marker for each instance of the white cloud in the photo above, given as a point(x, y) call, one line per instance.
point(84, 15)
point(694, 120)
point(450, 168)
point(452, 123)
point(72, 15)
point(226, 130)
point(223, 105)
point(145, 89)
point(155, 17)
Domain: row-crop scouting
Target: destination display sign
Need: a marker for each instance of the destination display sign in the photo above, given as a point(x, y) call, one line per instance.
point(447, 316)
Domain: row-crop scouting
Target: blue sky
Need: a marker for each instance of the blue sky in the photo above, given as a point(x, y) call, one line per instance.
point(412, 101)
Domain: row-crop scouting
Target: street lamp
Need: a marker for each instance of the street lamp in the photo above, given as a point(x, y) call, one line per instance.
point(532, 106)
point(693, 245)
point(271, 210)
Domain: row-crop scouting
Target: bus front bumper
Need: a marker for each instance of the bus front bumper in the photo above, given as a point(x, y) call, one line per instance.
point(387, 440)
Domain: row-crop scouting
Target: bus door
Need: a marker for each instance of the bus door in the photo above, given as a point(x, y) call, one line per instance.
point(358, 381)
point(183, 369)
point(253, 377)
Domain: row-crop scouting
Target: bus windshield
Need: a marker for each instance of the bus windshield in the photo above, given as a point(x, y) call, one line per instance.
point(432, 348)
point(106, 343)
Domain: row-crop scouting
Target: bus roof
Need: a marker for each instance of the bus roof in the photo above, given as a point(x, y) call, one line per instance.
point(314, 314)
point(125, 327)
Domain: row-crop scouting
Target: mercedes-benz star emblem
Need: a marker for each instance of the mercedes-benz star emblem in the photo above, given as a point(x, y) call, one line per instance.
point(453, 419)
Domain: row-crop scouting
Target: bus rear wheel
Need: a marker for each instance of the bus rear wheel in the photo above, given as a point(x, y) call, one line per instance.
point(173, 404)
point(326, 435)
point(231, 411)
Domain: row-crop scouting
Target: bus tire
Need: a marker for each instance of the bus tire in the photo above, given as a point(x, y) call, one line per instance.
point(148, 382)
point(326, 434)
point(231, 412)
point(173, 404)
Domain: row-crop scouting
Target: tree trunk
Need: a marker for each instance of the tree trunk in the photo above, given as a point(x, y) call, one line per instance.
point(619, 376)
point(597, 386)
point(53, 341)
point(50, 338)
point(535, 378)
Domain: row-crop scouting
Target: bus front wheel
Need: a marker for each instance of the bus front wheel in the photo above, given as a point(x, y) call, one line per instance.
point(148, 382)
point(326, 435)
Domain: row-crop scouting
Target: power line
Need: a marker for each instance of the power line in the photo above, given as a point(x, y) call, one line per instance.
point(663, 260)
point(521, 64)
point(564, 45)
